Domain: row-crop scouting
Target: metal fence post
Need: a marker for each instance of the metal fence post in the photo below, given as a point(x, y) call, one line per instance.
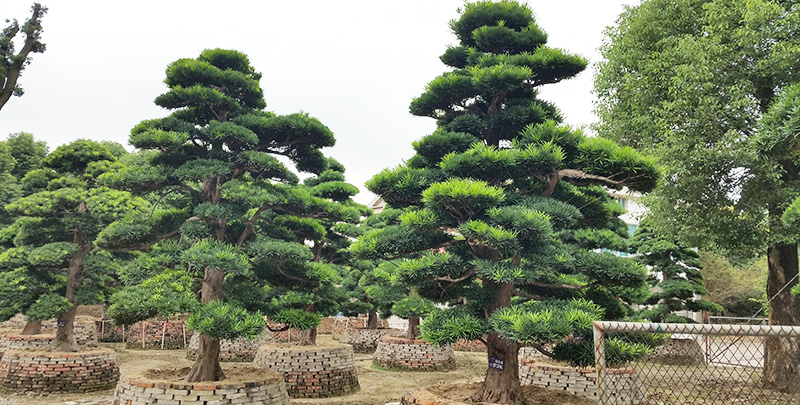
point(600, 362)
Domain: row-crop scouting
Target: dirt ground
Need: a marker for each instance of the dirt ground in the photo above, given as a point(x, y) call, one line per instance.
point(377, 387)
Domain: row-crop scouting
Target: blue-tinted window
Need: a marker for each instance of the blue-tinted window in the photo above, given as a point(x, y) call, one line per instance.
point(632, 229)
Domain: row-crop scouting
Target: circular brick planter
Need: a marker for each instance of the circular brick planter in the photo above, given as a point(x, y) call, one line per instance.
point(343, 324)
point(139, 390)
point(312, 371)
point(416, 354)
point(366, 340)
point(83, 328)
point(157, 334)
point(239, 349)
point(24, 371)
point(623, 385)
point(679, 352)
point(451, 394)
point(9, 342)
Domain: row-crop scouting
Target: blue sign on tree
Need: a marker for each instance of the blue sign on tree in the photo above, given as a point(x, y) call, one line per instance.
point(496, 363)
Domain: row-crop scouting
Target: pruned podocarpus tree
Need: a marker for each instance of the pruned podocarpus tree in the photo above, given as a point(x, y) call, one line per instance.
point(677, 276)
point(12, 63)
point(235, 206)
point(505, 207)
point(54, 265)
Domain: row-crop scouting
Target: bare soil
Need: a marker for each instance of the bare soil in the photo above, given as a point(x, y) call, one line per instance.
point(458, 394)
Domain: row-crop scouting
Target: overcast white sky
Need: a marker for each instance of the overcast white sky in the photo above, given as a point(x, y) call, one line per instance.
point(354, 64)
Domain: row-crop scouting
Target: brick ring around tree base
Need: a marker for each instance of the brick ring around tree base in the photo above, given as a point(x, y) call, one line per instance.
point(312, 371)
point(366, 340)
point(458, 394)
point(269, 390)
point(238, 350)
point(415, 355)
point(11, 341)
point(26, 371)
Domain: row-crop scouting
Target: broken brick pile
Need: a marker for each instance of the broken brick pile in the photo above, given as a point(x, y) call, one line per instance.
point(240, 349)
point(158, 334)
point(413, 354)
point(135, 391)
point(24, 371)
point(312, 371)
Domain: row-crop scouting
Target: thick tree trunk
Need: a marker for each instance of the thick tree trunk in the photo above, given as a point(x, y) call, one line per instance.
point(206, 367)
point(309, 337)
point(501, 384)
point(413, 327)
point(372, 319)
point(782, 355)
point(32, 328)
point(65, 338)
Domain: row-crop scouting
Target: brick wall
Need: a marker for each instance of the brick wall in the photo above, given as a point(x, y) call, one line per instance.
point(239, 349)
point(623, 385)
point(8, 342)
point(136, 391)
point(23, 371)
point(344, 323)
point(410, 397)
point(394, 352)
point(463, 345)
point(366, 340)
point(312, 371)
point(326, 325)
point(108, 331)
point(157, 334)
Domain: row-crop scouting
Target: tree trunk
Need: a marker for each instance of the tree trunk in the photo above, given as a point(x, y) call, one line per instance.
point(782, 355)
point(501, 384)
point(413, 327)
point(309, 337)
point(65, 338)
point(32, 328)
point(206, 367)
point(372, 319)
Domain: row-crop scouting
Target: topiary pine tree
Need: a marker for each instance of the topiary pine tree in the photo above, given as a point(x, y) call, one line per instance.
point(54, 266)
point(240, 209)
point(677, 278)
point(506, 207)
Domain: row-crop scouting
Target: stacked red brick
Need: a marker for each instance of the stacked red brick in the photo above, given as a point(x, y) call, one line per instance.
point(395, 352)
point(463, 345)
point(134, 391)
point(157, 334)
point(312, 371)
point(24, 371)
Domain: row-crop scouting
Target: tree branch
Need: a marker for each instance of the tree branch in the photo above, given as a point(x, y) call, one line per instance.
point(281, 329)
point(542, 350)
point(581, 175)
point(31, 39)
point(248, 229)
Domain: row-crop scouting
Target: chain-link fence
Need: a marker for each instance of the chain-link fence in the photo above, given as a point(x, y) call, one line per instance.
point(648, 363)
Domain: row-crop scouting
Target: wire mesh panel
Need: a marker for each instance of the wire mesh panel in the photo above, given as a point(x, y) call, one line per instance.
point(641, 363)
